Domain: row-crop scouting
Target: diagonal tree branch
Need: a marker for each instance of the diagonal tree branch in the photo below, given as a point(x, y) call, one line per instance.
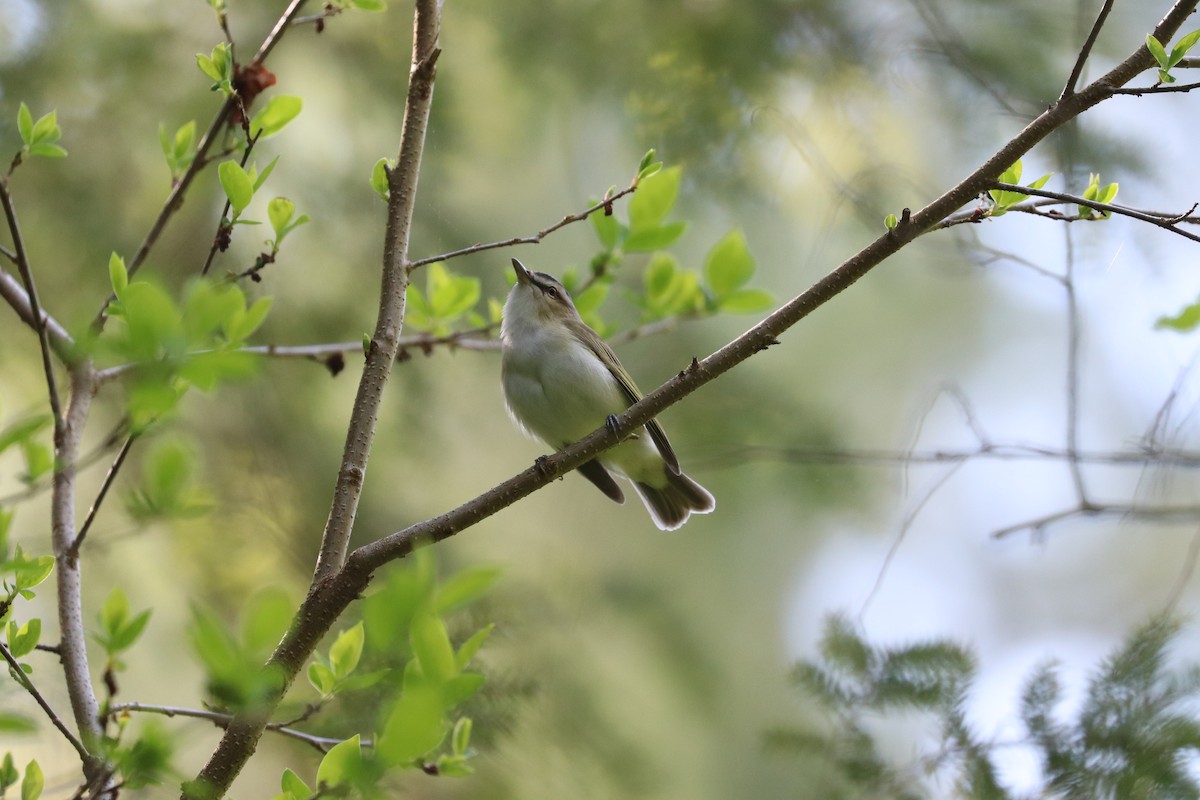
point(337, 584)
point(35, 306)
point(1086, 50)
point(27, 683)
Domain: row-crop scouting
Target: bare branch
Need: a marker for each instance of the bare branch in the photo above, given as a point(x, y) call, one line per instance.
point(109, 477)
point(536, 238)
point(35, 306)
point(15, 295)
point(1161, 88)
point(1157, 514)
point(1086, 50)
point(222, 720)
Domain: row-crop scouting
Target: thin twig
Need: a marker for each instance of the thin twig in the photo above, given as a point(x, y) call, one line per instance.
point(221, 719)
point(27, 682)
point(225, 231)
point(1039, 524)
point(1182, 459)
point(535, 238)
point(1152, 218)
point(26, 271)
point(1162, 88)
point(109, 477)
point(1072, 81)
point(1072, 388)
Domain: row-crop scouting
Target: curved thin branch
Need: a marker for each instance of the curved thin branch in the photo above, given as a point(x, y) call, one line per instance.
point(1162, 88)
point(536, 238)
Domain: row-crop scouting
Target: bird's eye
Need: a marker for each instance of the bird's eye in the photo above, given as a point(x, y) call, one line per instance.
point(551, 292)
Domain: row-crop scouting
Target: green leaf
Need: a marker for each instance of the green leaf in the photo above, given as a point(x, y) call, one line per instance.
point(21, 431)
point(346, 651)
point(414, 727)
point(890, 222)
point(646, 161)
point(22, 640)
point(369, 5)
point(379, 177)
point(280, 211)
point(341, 764)
point(649, 239)
point(431, 646)
point(1040, 182)
point(454, 767)
point(6, 518)
point(25, 123)
point(47, 150)
point(276, 114)
point(654, 199)
point(1182, 47)
point(114, 612)
point(118, 277)
point(321, 678)
point(461, 688)
point(1157, 50)
point(1186, 320)
point(259, 180)
point(8, 773)
point(38, 460)
point(471, 647)
point(249, 322)
point(746, 301)
point(12, 723)
point(465, 587)
point(238, 186)
point(608, 230)
point(29, 572)
point(450, 295)
point(460, 739)
point(266, 619)
point(588, 301)
point(728, 265)
point(45, 130)
point(31, 786)
point(293, 785)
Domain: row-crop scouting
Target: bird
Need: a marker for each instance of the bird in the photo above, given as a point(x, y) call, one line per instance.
point(562, 381)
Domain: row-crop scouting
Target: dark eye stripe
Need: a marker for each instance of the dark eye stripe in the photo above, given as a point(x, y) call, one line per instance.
point(545, 283)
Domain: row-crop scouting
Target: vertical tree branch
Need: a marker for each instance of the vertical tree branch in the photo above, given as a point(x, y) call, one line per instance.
point(333, 587)
point(68, 577)
point(381, 355)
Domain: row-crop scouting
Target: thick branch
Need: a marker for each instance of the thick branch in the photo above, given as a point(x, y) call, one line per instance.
point(69, 580)
point(381, 354)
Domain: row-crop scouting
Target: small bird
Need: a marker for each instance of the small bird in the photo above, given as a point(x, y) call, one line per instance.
point(562, 381)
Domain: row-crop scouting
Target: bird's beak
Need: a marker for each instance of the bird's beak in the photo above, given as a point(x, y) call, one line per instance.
point(522, 273)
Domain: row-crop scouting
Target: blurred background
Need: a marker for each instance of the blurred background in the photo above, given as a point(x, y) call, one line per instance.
point(627, 662)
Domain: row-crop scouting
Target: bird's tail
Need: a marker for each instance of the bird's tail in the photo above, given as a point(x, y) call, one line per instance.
point(671, 505)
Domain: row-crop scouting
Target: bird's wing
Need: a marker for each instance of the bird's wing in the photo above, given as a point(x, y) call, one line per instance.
point(633, 394)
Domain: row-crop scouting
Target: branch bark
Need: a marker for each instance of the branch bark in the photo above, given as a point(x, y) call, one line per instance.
point(385, 342)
